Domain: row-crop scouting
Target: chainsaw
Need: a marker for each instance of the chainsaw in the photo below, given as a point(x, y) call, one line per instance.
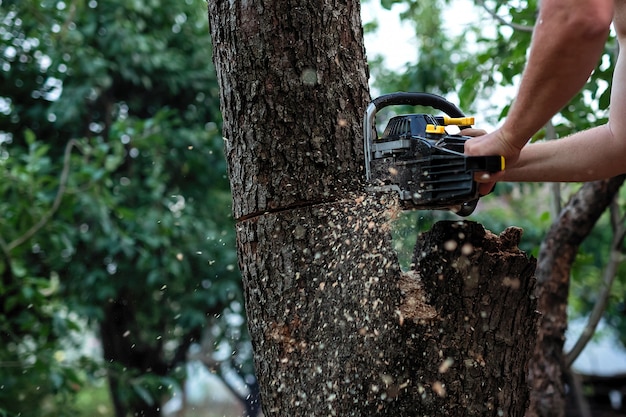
point(417, 157)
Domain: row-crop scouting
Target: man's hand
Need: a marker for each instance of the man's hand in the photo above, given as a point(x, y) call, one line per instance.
point(494, 143)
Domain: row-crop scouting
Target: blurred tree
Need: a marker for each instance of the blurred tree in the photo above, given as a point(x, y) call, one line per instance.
point(438, 50)
point(110, 218)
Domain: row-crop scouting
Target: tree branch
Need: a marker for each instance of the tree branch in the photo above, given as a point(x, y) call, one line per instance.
point(4, 248)
point(556, 255)
point(55, 205)
point(501, 20)
point(610, 272)
point(578, 394)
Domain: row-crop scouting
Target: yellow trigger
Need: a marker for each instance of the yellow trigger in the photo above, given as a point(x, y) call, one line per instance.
point(435, 129)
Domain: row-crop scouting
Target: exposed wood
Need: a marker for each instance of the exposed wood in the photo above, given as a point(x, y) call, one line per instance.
point(481, 286)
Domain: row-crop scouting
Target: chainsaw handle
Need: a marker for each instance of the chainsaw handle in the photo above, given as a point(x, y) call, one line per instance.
point(418, 99)
point(399, 98)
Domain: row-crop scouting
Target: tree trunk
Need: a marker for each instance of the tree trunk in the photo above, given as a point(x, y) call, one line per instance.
point(321, 280)
point(557, 253)
point(321, 300)
point(117, 333)
point(292, 93)
point(473, 320)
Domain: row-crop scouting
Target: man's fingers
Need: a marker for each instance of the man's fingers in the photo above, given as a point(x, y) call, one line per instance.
point(485, 188)
point(473, 132)
point(486, 181)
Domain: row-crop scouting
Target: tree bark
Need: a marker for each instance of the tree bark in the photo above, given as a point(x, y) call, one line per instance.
point(556, 255)
point(321, 279)
point(473, 320)
point(294, 83)
point(321, 297)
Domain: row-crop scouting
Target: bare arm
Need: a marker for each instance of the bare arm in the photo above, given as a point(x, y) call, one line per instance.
point(585, 156)
point(567, 43)
point(589, 155)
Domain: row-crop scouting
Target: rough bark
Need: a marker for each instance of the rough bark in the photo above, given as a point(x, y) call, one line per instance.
point(557, 253)
point(336, 330)
point(473, 320)
point(321, 295)
point(321, 280)
point(293, 80)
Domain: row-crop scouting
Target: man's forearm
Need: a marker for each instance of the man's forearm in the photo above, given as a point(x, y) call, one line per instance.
point(571, 159)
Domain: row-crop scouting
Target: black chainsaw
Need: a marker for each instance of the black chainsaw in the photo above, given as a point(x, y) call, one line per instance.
point(419, 159)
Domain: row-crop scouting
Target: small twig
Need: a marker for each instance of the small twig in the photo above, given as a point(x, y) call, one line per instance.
point(610, 272)
point(492, 13)
point(578, 393)
point(55, 205)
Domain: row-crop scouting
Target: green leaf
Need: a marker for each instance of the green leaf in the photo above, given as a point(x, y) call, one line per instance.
point(29, 137)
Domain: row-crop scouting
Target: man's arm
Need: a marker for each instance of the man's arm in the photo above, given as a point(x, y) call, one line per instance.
point(584, 156)
point(567, 43)
point(589, 155)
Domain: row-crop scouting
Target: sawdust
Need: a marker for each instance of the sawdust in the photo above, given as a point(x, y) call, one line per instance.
point(414, 304)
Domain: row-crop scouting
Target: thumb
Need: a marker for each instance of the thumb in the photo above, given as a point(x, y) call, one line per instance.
point(473, 145)
point(473, 132)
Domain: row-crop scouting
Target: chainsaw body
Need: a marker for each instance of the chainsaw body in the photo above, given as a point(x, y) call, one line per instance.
point(417, 158)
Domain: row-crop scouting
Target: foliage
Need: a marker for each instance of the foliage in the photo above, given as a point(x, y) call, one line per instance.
point(36, 328)
point(108, 123)
point(437, 51)
point(94, 401)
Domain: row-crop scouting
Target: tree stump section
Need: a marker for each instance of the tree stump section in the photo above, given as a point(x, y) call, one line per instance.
point(469, 321)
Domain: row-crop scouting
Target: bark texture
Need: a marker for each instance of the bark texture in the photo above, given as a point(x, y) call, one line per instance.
point(323, 288)
point(556, 255)
point(470, 357)
point(293, 79)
